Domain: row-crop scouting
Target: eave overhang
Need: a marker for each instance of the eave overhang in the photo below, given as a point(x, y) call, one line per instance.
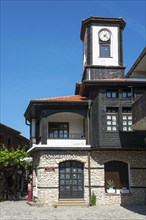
point(34, 104)
point(68, 148)
point(139, 67)
point(86, 85)
point(100, 21)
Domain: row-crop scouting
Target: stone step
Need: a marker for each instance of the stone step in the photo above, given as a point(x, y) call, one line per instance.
point(71, 202)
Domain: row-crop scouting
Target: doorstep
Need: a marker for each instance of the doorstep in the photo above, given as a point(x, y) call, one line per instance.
point(72, 202)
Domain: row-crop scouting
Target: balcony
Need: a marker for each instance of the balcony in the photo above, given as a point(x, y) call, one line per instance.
point(62, 131)
point(139, 113)
point(66, 140)
point(70, 141)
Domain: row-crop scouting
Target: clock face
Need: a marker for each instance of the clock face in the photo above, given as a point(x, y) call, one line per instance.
point(104, 35)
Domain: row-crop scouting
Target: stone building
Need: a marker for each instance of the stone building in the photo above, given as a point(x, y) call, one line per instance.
point(12, 176)
point(12, 138)
point(82, 143)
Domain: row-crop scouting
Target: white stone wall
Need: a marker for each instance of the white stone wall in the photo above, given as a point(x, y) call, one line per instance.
point(48, 182)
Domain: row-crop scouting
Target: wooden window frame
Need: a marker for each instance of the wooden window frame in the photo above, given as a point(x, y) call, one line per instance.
point(126, 119)
point(110, 93)
point(103, 47)
point(112, 119)
point(128, 93)
point(56, 132)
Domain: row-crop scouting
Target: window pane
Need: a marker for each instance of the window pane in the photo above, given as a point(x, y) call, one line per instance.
point(58, 130)
point(108, 95)
point(67, 176)
point(104, 50)
point(67, 182)
point(62, 176)
point(67, 188)
point(114, 118)
point(62, 188)
point(129, 95)
point(74, 188)
point(80, 188)
point(74, 176)
point(62, 182)
point(74, 182)
point(124, 94)
point(124, 128)
point(114, 95)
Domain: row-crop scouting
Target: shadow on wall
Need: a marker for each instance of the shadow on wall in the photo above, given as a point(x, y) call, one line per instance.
point(140, 209)
point(132, 139)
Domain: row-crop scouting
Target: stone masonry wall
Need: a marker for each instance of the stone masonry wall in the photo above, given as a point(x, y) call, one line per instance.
point(137, 178)
point(48, 181)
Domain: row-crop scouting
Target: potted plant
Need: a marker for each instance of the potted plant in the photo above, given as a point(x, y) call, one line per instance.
point(110, 186)
point(124, 188)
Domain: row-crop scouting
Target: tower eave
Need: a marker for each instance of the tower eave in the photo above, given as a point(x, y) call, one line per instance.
point(100, 21)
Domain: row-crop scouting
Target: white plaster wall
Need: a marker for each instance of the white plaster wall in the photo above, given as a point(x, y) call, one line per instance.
point(75, 121)
point(66, 143)
point(97, 60)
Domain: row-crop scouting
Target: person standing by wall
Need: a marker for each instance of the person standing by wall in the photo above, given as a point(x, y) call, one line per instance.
point(29, 188)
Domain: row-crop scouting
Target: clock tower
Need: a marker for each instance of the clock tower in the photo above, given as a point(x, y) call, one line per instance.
point(102, 48)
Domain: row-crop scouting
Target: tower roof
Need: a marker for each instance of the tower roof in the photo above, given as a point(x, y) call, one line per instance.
point(100, 21)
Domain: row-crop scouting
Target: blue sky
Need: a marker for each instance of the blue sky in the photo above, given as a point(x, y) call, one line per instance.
point(41, 50)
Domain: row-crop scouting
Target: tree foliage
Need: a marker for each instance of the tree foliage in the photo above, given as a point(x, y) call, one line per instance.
point(13, 157)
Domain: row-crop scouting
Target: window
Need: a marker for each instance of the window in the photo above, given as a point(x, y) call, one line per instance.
point(58, 130)
point(104, 50)
point(126, 93)
point(127, 119)
point(111, 119)
point(112, 93)
point(117, 172)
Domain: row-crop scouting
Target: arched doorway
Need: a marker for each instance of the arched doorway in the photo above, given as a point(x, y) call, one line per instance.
point(71, 179)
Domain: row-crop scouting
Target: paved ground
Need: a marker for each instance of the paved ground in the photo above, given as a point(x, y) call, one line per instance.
point(20, 210)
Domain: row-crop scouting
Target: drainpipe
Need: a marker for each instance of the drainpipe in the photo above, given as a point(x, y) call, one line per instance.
point(28, 124)
point(88, 131)
point(89, 178)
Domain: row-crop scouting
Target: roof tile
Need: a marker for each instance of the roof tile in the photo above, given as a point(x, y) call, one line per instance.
point(72, 98)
